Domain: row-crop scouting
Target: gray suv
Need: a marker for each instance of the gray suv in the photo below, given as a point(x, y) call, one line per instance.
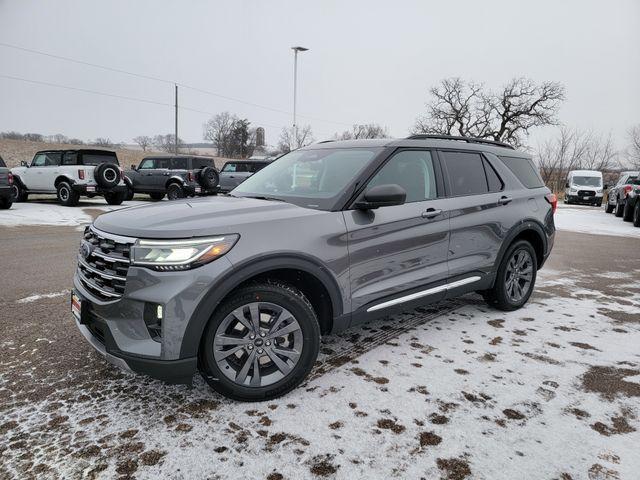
point(241, 287)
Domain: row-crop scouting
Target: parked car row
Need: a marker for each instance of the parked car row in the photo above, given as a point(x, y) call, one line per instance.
point(71, 174)
point(623, 197)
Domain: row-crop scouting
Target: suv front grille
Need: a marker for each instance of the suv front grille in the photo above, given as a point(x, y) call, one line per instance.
point(586, 193)
point(103, 263)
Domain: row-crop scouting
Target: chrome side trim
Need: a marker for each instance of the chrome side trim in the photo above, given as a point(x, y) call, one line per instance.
point(423, 293)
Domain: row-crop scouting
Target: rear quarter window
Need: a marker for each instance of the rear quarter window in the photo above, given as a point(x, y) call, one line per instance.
point(98, 158)
point(199, 163)
point(524, 170)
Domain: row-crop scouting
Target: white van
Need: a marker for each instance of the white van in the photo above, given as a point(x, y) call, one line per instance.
point(584, 186)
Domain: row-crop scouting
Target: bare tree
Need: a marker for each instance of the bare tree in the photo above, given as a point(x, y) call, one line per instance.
point(143, 141)
point(167, 143)
point(573, 149)
point(368, 130)
point(466, 108)
point(58, 138)
point(287, 142)
point(103, 142)
point(633, 150)
point(219, 131)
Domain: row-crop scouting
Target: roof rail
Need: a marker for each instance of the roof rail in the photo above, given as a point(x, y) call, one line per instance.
point(425, 136)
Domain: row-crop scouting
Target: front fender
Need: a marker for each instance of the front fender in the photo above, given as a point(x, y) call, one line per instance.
point(243, 272)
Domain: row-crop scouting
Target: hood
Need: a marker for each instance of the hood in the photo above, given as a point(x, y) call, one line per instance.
point(197, 217)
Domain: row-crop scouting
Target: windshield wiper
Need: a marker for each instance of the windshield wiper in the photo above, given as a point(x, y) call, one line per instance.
point(262, 197)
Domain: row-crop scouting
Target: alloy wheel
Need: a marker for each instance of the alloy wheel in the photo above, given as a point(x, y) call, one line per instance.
point(519, 275)
point(258, 344)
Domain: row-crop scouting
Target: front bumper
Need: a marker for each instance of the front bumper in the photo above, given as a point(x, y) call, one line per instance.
point(597, 198)
point(84, 189)
point(120, 329)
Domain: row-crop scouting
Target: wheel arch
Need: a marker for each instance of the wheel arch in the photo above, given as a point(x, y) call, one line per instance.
point(318, 282)
point(531, 231)
point(62, 178)
point(174, 179)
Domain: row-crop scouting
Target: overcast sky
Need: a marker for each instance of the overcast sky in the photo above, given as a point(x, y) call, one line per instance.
point(369, 61)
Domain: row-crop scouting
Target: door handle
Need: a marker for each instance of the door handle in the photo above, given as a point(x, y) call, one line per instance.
point(431, 213)
point(504, 200)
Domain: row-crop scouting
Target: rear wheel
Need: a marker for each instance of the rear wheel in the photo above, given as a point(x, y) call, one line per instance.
point(608, 208)
point(260, 343)
point(66, 195)
point(175, 192)
point(619, 211)
point(515, 279)
point(156, 196)
point(115, 198)
point(5, 203)
point(627, 212)
point(636, 214)
point(129, 195)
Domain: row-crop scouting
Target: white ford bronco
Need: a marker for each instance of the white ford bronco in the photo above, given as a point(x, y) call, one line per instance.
point(70, 174)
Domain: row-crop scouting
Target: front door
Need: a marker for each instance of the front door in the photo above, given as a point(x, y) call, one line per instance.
point(146, 173)
point(399, 252)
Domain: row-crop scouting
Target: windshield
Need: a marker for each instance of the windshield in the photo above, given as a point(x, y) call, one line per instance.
point(98, 158)
point(308, 178)
point(588, 181)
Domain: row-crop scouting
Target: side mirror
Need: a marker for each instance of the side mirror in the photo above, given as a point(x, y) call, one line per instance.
point(134, 166)
point(24, 164)
point(382, 196)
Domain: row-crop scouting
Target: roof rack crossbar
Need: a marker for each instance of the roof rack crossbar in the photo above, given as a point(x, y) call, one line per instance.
point(424, 136)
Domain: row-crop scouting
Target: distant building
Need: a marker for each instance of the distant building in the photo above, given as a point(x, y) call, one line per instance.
point(260, 137)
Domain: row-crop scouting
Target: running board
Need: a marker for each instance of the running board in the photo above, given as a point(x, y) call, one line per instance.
point(423, 293)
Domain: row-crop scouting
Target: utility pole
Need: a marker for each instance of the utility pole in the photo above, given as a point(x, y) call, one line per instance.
point(176, 121)
point(295, 92)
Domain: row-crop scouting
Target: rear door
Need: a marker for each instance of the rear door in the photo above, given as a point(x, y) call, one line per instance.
point(479, 212)
point(400, 250)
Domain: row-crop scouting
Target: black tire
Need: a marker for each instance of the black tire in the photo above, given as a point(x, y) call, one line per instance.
point(498, 296)
point(115, 198)
point(619, 209)
point(66, 195)
point(129, 194)
point(107, 175)
point(208, 178)
point(156, 196)
point(636, 214)
point(19, 193)
point(627, 213)
point(5, 202)
point(608, 208)
point(599, 204)
point(271, 293)
point(175, 192)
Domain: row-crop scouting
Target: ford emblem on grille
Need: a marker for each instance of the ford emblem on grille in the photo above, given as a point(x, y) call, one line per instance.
point(85, 249)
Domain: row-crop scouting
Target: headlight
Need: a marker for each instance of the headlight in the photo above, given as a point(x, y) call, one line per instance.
point(573, 190)
point(598, 190)
point(171, 255)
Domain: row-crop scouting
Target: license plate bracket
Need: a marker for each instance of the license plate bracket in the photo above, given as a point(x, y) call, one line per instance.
point(76, 306)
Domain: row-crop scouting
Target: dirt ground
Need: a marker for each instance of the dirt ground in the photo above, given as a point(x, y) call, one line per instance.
point(454, 390)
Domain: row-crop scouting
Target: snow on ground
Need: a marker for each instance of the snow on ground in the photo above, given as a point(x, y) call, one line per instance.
point(50, 212)
point(452, 391)
point(594, 220)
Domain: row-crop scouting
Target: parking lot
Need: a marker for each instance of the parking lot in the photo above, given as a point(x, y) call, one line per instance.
point(453, 390)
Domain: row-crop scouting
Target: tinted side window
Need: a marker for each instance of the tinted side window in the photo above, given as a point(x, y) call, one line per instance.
point(180, 163)
point(147, 163)
point(413, 171)
point(466, 173)
point(493, 180)
point(40, 160)
point(70, 158)
point(201, 163)
point(229, 167)
point(524, 170)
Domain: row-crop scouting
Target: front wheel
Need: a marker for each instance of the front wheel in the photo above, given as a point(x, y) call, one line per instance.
point(515, 279)
point(608, 208)
point(619, 211)
point(260, 343)
point(66, 195)
point(627, 212)
point(5, 203)
point(115, 198)
point(18, 193)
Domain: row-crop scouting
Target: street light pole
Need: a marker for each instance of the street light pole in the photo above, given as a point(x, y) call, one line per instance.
point(295, 90)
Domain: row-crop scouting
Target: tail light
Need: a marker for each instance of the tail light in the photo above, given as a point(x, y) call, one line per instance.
point(10, 179)
point(553, 201)
point(627, 189)
point(81, 174)
point(190, 176)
